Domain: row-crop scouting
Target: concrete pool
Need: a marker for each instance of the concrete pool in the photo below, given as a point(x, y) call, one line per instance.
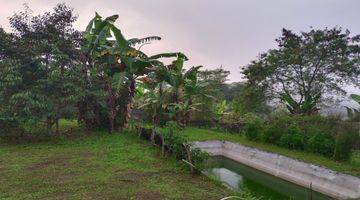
point(240, 177)
point(321, 180)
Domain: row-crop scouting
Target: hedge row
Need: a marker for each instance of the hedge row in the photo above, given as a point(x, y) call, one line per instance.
point(327, 136)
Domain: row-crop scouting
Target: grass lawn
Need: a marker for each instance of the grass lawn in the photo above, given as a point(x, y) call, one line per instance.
point(100, 166)
point(351, 167)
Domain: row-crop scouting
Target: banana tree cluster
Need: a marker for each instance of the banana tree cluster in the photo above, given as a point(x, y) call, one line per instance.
point(180, 85)
point(308, 106)
point(107, 47)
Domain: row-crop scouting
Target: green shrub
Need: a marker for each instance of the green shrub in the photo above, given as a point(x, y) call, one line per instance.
point(273, 131)
point(253, 126)
point(177, 144)
point(9, 126)
point(174, 139)
point(346, 140)
point(293, 138)
point(277, 126)
point(342, 147)
point(321, 143)
point(329, 136)
point(199, 157)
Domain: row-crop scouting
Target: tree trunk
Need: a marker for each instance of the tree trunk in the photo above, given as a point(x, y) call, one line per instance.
point(57, 126)
point(160, 111)
point(162, 146)
point(129, 103)
point(189, 157)
point(49, 123)
point(111, 100)
point(187, 116)
point(154, 121)
point(176, 100)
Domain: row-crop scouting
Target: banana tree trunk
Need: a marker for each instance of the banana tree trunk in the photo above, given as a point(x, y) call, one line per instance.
point(111, 101)
point(49, 124)
point(188, 113)
point(154, 121)
point(129, 102)
point(176, 99)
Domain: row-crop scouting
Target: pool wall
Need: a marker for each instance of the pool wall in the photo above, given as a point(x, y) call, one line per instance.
point(325, 181)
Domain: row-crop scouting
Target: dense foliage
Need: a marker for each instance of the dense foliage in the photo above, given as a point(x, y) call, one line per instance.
point(328, 136)
point(39, 67)
point(307, 67)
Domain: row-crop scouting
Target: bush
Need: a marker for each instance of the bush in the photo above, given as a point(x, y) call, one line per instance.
point(174, 140)
point(278, 126)
point(177, 144)
point(199, 157)
point(321, 143)
point(342, 147)
point(9, 126)
point(254, 126)
point(293, 138)
point(346, 140)
point(275, 129)
point(329, 136)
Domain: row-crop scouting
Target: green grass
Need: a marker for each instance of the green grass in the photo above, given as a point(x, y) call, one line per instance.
point(351, 167)
point(100, 166)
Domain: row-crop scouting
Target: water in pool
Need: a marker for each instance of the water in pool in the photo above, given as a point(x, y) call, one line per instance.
point(240, 177)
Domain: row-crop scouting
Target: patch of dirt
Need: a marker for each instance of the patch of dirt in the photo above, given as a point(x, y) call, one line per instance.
point(58, 196)
point(148, 195)
point(132, 176)
point(65, 178)
point(61, 161)
point(87, 154)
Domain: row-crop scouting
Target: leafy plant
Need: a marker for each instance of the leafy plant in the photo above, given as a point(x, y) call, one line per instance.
point(352, 113)
point(220, 109)
point(253, 126)
point(293, 138)
point(179, 145)
point(321, 143)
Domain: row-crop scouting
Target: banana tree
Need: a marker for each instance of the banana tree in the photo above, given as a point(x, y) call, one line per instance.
point(107, 46)
point(353, 113)
point(192, 88)
point(307, 106)
point(153, 98)
point(183, 84)
point(220, 110)
point(156, 82)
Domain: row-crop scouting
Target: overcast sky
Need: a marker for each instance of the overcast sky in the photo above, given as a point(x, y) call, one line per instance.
point(212, 33)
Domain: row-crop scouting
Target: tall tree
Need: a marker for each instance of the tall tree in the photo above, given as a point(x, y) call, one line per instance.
point(306, 66)
point(39, 54)
point(214, 90)
point(246, 98)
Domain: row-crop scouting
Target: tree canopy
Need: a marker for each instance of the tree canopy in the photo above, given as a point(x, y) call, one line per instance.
point(306, 67)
